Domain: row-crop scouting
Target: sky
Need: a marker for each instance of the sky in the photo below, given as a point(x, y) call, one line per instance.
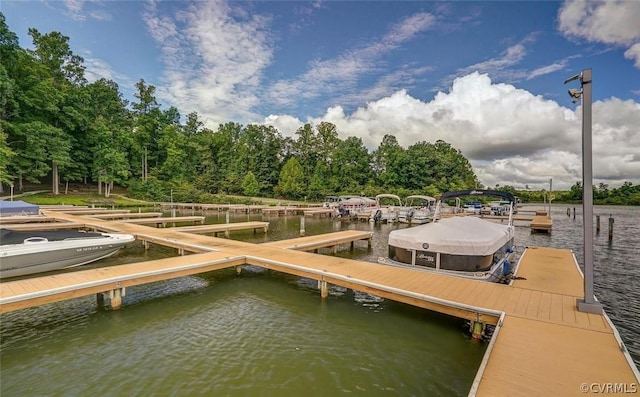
point(486, 77)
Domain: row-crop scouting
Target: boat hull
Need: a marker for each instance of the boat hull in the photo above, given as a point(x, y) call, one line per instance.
point(496, 273)
point(38, 257)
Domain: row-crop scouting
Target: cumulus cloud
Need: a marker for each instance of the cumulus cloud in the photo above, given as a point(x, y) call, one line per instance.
point(511, 136)
point(615, 22)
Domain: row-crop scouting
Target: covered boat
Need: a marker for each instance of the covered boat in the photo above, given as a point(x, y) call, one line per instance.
point(17, 208)
point(29, 252)
point(465, 246)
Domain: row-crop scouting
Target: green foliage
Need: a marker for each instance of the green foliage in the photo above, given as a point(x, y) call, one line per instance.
point(150, 189)
point(250, 185)
point(291, 183)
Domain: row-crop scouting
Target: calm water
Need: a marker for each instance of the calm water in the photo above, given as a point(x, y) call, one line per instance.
point(268, 334)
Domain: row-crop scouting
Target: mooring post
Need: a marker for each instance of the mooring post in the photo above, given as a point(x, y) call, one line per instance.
point(145, 243)
point(610, 228)
point(302, 226)
point(100, 300)
point(227, 217)
point(574, 212)
point(476, 330)
point(568, 211)
point(115, 297)
point(324, 291)
point(352, 244)
point(597, 223)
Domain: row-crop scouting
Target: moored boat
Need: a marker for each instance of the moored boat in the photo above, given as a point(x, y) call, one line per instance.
point(29, 252)
point(463, 246)
point(418, 209)
point(388, 206)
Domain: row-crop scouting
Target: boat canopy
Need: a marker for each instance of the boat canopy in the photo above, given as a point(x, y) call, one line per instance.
point(479, 192)
point(12, 208)
point(421, 199)
point(465, 235)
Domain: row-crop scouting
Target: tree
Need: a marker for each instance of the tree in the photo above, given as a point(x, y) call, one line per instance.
point(250, 185)
point(291, 184)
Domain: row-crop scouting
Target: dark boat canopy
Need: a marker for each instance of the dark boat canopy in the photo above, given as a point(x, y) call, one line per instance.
point(479, 192)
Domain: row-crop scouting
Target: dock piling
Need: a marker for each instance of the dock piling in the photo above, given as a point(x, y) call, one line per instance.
point(610, 228)
point(597, 224)
point(302, 232)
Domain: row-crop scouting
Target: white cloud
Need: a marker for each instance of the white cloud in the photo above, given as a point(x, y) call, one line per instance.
point(511, 136)
point(339, 75)
point(75, 9)
point(97, 69)
point(214, 56)
point(615, 22)
point(633, 53)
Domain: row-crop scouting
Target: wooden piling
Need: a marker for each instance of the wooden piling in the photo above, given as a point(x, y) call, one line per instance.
point(610, 228)
point(302, 232)
point(574, 212)
point(597, 223)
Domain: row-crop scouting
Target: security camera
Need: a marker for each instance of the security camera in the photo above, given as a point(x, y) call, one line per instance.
point(575, 94)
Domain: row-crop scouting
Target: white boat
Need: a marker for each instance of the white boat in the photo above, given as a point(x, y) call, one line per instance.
point(29, 252)
point(417, 209)
point(388, 207)
point(351, 205)
point(463, 246)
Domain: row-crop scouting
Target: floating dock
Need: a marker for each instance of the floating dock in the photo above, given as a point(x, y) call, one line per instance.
point(542, 345)
point(541, 223)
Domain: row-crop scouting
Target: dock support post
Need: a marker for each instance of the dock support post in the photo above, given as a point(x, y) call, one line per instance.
point(145, 243)
point(568, 211)
point(324, 291)
point(597, 223)
point(181, 251)
point(100, 300)
point(352, 245)
point(335, 249)
point(114, 296)
point(302, 226)
point(227, 233)
point(238, 270)
point(477, 329)
point(369, 243)
point(574, 212)
point(610, 228)
point(227, 217)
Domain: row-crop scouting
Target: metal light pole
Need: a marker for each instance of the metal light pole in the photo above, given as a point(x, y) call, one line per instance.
point(588, 304)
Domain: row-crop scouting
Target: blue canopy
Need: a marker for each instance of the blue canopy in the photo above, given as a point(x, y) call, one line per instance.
point(11, 208)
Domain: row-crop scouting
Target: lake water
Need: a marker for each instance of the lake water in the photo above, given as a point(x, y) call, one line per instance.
point(269, 334)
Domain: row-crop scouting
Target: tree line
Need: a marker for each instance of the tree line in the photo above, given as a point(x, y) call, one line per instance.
point(54, 124)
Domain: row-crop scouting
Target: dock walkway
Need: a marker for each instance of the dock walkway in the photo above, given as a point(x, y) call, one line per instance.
point(541, 346)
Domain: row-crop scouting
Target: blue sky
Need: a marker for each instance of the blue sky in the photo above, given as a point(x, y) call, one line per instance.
point(486, 77)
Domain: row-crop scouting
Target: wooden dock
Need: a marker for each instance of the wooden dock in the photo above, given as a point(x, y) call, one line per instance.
point(542, 344)
point(164, 221)
point(128, 215)
point(224, 227)
point(541, 223)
